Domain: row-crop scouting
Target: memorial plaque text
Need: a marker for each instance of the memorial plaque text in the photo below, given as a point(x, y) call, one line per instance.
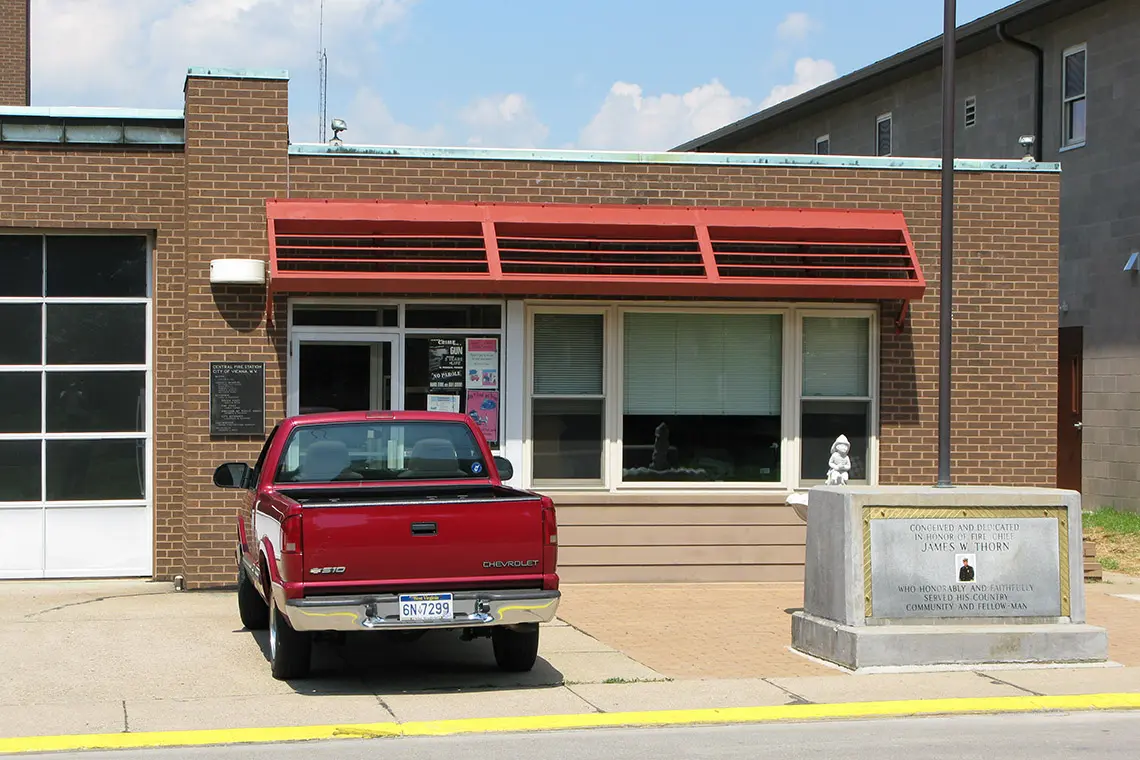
point(967, 567)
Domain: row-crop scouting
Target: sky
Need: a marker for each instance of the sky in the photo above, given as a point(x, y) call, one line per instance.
point(569, 74)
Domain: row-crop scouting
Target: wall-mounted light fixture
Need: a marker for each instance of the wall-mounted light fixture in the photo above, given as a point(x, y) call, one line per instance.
point(237, 272)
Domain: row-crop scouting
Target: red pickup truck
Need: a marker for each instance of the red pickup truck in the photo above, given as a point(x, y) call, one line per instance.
point(390, 521)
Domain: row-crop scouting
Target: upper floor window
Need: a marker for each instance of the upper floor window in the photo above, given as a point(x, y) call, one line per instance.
point(883, 135)
point(823, 145)
point(1073, 90)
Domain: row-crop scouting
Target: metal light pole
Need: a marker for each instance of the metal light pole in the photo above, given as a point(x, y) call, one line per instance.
point(946, 278)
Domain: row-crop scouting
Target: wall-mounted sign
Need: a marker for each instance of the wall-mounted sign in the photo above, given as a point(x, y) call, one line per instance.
point(482, 363)
point(445, 366)
point(237, 398)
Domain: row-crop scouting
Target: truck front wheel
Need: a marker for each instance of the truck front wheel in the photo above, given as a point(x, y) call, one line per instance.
point(516, 649)
point(289, 650)
point(252, 609)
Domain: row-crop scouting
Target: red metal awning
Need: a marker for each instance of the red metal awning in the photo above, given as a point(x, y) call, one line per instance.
point(404, 247)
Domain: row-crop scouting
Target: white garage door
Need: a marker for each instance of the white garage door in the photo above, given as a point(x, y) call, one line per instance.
point(75, 421)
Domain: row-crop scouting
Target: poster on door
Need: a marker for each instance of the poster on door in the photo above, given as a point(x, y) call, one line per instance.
point(482, 364)
point(483, 408)
point(445, 366)
point(441, 403)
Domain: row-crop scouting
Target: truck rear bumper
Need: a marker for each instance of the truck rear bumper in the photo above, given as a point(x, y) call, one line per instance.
point(381, 612)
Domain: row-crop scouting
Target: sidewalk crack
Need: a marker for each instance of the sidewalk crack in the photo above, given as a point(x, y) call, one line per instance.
point(126, 723)
point(384, 704)
point(797, 699)
point(91, 601)
point(570, 689)
point(995, 679)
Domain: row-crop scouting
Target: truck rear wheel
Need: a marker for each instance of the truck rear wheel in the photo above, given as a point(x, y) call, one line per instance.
point(516, 649)
point(289, 650)
point(252, 609)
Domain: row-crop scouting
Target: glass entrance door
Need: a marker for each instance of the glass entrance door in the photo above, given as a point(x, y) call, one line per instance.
point(334, 372)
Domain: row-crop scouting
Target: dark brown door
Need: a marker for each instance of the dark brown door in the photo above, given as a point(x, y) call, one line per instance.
point(1069, 350)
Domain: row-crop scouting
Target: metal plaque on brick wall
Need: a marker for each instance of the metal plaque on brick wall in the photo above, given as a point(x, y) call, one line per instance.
point(965, 567)
point(237, 398)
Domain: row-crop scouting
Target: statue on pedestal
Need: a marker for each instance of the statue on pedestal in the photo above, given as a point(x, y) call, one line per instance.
point(840, 463)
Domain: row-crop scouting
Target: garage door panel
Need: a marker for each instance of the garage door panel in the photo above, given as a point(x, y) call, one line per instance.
point(21, 542)
point(98, 542)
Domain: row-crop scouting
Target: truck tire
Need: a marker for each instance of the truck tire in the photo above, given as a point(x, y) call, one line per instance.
point(289, 650)
point(516, 649)
point(252, 609)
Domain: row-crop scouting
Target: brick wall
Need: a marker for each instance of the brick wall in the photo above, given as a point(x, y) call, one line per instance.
point(236, 140)
point(15, 47)
point(1005, 282)
point(49, 189)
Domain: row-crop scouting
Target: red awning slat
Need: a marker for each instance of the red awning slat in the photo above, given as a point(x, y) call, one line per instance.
point(610, 251)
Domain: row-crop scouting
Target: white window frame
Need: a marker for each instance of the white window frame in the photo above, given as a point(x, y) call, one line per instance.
point(612, 384)
point(872, 315)
point(145, 436)
point(970, 112)
point(888, 117)
point(819, 141)
point(608, 316)
point(1066, 103)
point(398, 333)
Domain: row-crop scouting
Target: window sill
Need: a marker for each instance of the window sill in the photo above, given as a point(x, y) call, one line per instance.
point(1074, 146)
point(585, 497)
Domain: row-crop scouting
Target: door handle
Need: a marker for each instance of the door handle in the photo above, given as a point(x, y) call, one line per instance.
point(424, 529)
point(1078, 425)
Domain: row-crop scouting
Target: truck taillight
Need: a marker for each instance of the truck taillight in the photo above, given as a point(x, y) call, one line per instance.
point(291, 535)
point(549, 523)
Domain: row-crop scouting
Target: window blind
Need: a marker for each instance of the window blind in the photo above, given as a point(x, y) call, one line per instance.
point(713, 364)
point(568, 354)
point(836, 356)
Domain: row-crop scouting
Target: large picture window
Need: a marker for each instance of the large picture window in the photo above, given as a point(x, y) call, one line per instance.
point(701, 397)
point(640, 397)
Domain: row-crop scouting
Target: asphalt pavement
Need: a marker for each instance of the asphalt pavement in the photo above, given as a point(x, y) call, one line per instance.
point(1053, 736)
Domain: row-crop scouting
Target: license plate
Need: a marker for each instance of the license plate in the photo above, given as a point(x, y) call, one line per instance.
point(425, 608)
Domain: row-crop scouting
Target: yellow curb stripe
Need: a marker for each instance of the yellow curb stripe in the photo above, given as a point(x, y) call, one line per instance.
point(739, 715)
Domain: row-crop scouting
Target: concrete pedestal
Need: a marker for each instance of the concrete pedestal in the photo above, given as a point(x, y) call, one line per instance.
point(885, 584)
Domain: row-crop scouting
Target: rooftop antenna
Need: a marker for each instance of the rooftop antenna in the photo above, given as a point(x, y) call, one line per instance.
point(322, 78)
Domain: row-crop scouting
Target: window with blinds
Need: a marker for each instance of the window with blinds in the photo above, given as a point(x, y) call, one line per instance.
point(835, 394)
point(707, 364)
point(567, 400)
point(568, 354)
point(701, 397)
point(836, 356)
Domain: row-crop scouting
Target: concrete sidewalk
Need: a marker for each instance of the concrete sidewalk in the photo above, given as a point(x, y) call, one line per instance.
point(115, 657)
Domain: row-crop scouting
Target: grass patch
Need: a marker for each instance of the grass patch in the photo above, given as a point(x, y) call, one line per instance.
point(1117, 538)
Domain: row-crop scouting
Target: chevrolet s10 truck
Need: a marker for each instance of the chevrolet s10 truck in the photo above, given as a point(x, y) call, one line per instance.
point(390, 521)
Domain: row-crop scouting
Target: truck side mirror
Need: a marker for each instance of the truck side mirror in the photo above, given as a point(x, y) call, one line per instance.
point(505, 468)
point(231, 475)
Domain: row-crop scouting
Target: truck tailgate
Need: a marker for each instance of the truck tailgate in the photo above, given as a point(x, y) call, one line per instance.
point(430, 538)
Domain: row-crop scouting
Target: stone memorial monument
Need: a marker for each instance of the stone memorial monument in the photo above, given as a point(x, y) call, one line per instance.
point(921, 576)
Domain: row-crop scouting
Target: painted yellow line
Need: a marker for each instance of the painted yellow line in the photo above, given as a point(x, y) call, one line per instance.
point(737, 715)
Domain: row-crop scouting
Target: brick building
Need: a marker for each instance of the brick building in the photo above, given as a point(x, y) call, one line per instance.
point(1066, 73)
point(672, 341)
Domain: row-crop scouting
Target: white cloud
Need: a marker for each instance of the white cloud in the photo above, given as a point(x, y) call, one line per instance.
point(504, 121)
point(370, 122)
point(809, 73)
point(631, 120)
point(796, 26)
point(136, 52)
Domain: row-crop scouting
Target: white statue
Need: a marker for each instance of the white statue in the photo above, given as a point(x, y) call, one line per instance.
point(839, 464)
